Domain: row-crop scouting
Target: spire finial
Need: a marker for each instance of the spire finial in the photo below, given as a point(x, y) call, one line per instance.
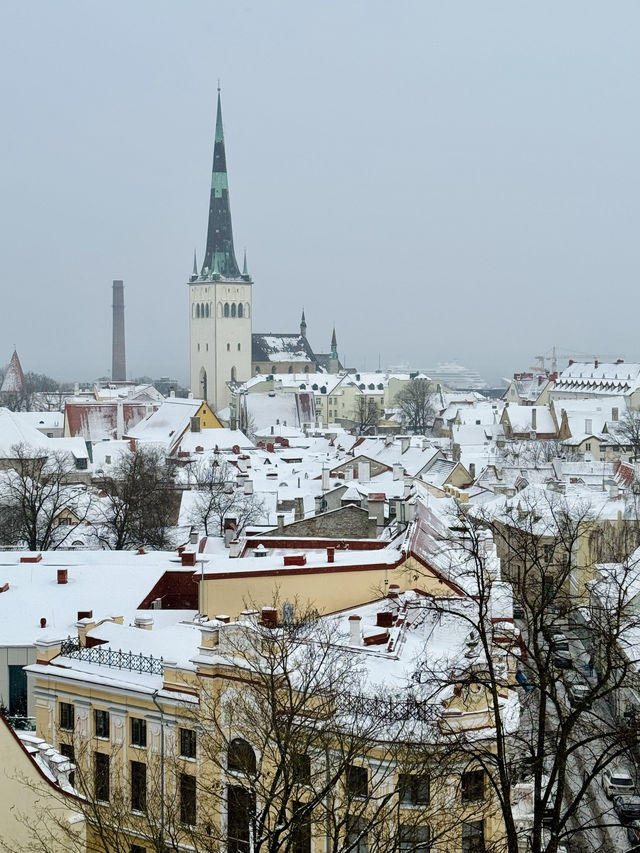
point(244, 264)
point(218, 85)
point(195, 263)
point(219, 232)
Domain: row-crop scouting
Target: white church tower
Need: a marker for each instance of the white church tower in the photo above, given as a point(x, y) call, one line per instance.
point(219, 298)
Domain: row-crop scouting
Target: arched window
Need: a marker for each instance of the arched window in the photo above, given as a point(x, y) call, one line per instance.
point(206, 310)
point(257, 368)
point(240, 756)
point(219, 309)
point(233, 309)
point(306, 368)
point(240, 309)
point(233, 374)
point(226, 309)
point(198, 310)
point(247, 310)
point(290, 369)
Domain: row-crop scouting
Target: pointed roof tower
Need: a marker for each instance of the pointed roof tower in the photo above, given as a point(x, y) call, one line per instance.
point(14, 381)
point(220, 254)
point(303, 326)
point(334, 344)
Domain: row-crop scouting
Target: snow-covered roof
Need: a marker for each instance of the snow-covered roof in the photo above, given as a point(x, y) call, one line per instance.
point(110, 583)
point(166, 424)
point(602, 379)
point(14, 381)
point(521, 419)
point(277, 348)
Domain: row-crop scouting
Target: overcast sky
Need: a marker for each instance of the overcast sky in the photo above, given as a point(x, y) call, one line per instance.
point(444, 180)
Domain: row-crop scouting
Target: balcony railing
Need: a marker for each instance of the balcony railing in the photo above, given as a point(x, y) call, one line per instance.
point(111, 658)
point(389, 708)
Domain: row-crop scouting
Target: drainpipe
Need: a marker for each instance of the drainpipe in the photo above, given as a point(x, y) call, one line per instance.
point(154, 696)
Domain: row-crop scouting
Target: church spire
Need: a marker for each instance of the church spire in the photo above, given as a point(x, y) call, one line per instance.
point(303, 326)
point(220, 254)
point(334, 344)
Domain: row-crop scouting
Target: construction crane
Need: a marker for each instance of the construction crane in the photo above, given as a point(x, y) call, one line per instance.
point(560, 354)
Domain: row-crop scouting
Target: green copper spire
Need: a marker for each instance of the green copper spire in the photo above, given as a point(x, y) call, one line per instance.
point(334, 344)
point(220, 252)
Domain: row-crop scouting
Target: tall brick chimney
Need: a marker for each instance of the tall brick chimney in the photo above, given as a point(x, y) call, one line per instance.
point(118, 361)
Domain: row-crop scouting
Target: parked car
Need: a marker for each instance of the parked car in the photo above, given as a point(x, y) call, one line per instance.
point(617, 780)
point(577, 688)
point(633, 831)
point(559, 642)
point(560, 652)
point(627, 807)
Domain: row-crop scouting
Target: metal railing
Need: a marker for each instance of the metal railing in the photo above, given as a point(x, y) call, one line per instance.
point(389, 708)
point(114, 659)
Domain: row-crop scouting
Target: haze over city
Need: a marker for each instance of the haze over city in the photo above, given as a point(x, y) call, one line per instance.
point(441, 181)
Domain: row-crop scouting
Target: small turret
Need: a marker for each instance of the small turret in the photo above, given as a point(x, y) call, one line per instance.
point(303, 326)
point(334, 361)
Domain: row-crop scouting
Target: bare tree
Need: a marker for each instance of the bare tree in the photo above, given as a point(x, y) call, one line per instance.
point(36, 494)
point(140, 501)
point(569, 732)
point(219, 498)
point(627, 432)
point(367, 415)
point(416, 407)
point(536, 452)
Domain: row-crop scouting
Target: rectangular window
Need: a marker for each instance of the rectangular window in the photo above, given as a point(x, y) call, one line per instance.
point(138, 786)
point(101, 723)
point(587, 446)
point(472, 786)
point(240, 812)
point(66, 716)
point(413, 789)
point(187, 743)
point(357, 781)
point(301, 830)
point(17, 690)
point(301, 768)
point(138, 732)
point(101, 776)
point(188, 799)
point(473, 837)
point(414, 839)
point(67, 750)
point(356, 840)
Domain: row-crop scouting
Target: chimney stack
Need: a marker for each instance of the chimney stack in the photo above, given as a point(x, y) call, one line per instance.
point(118, 362)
